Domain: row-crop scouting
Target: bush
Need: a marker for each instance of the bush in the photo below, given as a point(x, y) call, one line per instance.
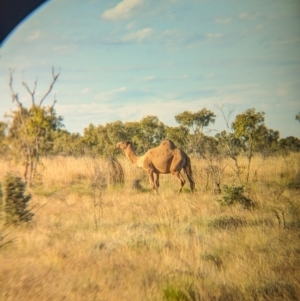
point(234, 194)
point(15, 202)
point(227, 223)
point(174, 293)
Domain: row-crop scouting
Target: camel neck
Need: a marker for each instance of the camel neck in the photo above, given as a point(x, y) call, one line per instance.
point(130, 154)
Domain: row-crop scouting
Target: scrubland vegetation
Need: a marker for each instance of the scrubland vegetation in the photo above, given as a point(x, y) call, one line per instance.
point(93, 240)
point(79, 222)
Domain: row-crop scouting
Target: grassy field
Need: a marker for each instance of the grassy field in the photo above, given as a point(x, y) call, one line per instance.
point(90, 240)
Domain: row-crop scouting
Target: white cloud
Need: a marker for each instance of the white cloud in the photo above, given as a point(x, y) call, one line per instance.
point(84, 109)
point(223, 20)
point(85, 91)
point(130, 25)
point(174, 35)
point(64, 50)
point(35, 36)
point(176, 39)
point(288, 41)
point(147, 78)
point(209, 75)
point(138, 36)
point(109, 95)
point(123, 10)
point(214, 35)
point(248, 16)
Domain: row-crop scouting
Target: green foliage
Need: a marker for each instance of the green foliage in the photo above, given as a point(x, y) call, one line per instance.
point(151, 132)
point(274, 290)
point(248, 123)
point(144, 134)
point(195, 123)
point(3, 146)
point(227, 223)
point(174, 293)
point(248, 127)
point(234, 194)
point(30, 133)
point(179, 135)
point(229, 144)
point(37, 131)
point(103, 139)
point(214, 258)
point(197, 120)
point(289, 144)
point(16, 201)
point(67, 144)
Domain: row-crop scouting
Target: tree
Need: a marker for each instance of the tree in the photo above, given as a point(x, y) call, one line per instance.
point(231, 147)
point(102, 140)
point(68, 144)
point(30, 133)
point(267, 140)
point(179, 135)
point(146, 133)
point(248, 127)
point(3, 147)
point(289, 144)
point(152, 131)
point(196, 122)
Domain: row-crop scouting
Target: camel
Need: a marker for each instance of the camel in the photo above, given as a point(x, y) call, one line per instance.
point(164, 159)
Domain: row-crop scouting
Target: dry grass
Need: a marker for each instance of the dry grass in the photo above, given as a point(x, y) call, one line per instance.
point(91, 241)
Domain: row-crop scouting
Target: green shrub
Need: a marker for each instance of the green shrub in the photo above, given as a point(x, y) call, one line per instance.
point(15, 202)
point(227, 222)
point(234, 194)
point(174, 293)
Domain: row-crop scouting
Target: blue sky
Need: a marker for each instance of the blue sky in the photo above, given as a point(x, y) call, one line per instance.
point(124, 60)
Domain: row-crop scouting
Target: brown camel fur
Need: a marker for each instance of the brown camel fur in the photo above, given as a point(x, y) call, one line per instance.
point(164, 159)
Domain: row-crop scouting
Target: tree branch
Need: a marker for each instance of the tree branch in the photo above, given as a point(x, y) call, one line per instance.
point(14, 96)
point(54, 78)
point(54, 102)
point(30, 92)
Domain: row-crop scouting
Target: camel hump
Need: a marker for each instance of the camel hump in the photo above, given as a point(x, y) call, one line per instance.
point(167, 143)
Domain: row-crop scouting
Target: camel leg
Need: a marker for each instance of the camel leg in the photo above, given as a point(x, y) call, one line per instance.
point(151, 180)
point(190, 178)
point(156, 180)
point(180, 178)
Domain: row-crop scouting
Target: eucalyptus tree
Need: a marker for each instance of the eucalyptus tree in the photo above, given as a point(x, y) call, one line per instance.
point(146, 133)
point(195, 123)
point(68, 144)
point(248, 127)
point(3, 147)
point(179, 135)
point(102, 139)
point(30, 133)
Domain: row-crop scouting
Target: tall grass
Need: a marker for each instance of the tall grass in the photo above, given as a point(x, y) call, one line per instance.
point(90, 240)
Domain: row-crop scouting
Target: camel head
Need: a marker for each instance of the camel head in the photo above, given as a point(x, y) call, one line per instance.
point(123, 145)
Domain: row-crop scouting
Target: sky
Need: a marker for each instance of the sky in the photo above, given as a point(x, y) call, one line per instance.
point(124, 60)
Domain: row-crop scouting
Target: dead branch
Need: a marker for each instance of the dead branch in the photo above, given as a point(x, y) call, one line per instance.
point(14, 96)
point(226, 118)
point(54, 78)
point(29, 91)
point(54, 102)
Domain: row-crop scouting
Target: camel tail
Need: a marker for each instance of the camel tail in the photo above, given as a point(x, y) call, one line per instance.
point(189, 173)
